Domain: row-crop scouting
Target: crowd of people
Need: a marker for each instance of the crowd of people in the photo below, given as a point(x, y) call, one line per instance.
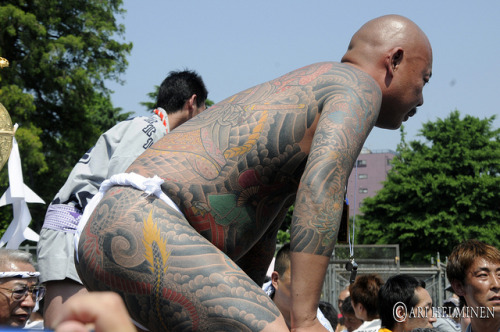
point(370, 304)
point(159, 230)
point(401, 303)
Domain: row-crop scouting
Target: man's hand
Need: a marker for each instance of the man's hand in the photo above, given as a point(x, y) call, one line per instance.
point(105, 311)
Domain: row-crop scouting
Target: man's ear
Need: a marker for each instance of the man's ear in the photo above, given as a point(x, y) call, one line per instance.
point(274, 279)
point(401, 314)
point(361, 307)
point(394, 59)
point(193, 101)
point(190, 104)
point(458, 287)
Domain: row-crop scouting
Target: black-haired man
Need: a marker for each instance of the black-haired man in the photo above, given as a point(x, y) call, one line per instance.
point(404, 304)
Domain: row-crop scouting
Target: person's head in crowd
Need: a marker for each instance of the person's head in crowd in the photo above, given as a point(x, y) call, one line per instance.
point(404, 304)
point(19, 288)
point(329, 312)
point(342, 296)
point(182, 88)
point(364, 295)
point(451, 307)
point(281, 281)
point(351, 322)
point(473, 271)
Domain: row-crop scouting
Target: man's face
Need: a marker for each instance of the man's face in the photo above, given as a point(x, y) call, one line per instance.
point(342, 296)
point(16, 313)
point(351, 322)
point(405, 92)
point(482, 285)
point(423, 315)
point(282, 296)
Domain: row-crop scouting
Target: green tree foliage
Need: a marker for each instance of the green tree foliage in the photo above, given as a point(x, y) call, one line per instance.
point(284, 231)
point(440, 193)
point(61, 53)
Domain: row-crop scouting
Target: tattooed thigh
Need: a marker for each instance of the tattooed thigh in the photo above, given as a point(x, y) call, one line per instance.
point(171, 278)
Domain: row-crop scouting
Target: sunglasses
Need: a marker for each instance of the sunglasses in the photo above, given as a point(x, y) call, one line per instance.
point(20, 293)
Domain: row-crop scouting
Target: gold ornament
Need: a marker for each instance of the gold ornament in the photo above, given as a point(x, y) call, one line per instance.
point(3, 62)
point(6, 133)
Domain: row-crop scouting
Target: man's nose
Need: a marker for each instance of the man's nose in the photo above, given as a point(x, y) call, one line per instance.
point(495, 284)
point(421, 102)
point(432, 318)
point(28, 301)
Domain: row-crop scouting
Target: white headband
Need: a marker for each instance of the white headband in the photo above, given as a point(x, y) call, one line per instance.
point(19, 274)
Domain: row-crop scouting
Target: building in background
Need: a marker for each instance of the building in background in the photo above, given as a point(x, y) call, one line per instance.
point(366, 177)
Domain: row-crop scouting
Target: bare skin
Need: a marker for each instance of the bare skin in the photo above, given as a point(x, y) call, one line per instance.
point(60, 291)
point(103, 312)
point(233, 170)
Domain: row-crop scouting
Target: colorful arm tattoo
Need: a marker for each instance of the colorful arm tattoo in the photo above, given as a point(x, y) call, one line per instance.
point(347, 118)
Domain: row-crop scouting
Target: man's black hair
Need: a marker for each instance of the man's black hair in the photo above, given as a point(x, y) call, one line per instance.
point(178, 87)
point(282, 262)
point(330, 313)
point(398, 288)
point(346, 307)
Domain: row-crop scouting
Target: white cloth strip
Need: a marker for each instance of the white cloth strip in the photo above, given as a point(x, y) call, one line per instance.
point(151, 186)
point(19, 274)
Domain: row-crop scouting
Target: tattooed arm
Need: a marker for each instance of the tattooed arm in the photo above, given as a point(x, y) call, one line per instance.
point(346, 120)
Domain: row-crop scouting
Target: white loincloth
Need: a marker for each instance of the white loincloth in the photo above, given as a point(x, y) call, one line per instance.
point(151, 186)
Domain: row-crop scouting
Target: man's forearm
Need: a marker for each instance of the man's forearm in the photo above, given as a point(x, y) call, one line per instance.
point(308, 272)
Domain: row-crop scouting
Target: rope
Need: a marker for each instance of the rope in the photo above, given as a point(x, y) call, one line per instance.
point(351, 244)
point(164, 117)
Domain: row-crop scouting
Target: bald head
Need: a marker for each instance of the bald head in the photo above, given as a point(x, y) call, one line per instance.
point(378, 36)
point(397, 54)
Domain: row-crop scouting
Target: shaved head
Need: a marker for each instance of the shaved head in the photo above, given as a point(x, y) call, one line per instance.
point(398, 55)
point(381, 34)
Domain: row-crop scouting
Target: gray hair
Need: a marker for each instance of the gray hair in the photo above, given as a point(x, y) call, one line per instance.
point(8, 256)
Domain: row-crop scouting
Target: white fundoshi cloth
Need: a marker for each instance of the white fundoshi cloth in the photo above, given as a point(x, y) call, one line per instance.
point(151, 186)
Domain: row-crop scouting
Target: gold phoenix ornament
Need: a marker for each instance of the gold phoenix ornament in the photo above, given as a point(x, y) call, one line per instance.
point(6, 129)
point(3, 62)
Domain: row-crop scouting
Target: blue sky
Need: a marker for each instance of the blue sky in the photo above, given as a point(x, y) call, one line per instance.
point(237, 44)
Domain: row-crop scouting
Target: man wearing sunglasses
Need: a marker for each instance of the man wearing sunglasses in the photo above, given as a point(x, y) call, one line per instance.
point(19, 289)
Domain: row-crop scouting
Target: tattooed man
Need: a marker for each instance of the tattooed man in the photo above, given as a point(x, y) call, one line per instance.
point(192, 255)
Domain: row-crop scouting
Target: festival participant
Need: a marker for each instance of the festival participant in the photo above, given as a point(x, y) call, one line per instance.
point(448, 318)
point(351, 322)
point(181, 96)
point(340, 301)
point(186, 236)
point(364, 300)
point(279, 289)
point(473, 271)
point(19, 288)
point(330, 313)
point(404, 304)
point(342, 296)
